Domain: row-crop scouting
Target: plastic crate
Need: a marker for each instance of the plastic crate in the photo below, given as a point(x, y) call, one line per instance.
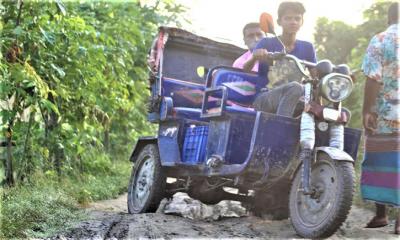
point(194, 145)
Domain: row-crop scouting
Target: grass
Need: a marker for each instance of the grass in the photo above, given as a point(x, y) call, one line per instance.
point(36, 211)
point(43, 207)
point(100, 186)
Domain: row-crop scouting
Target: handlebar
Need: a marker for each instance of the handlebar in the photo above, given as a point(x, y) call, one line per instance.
point(299, 63)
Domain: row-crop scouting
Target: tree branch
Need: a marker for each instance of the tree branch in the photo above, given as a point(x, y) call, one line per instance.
point(21, 3)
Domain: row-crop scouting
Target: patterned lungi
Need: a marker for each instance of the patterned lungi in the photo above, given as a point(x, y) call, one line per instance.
point(380, 178)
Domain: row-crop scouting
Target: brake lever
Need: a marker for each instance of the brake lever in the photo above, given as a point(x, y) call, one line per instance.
point(313, 81)
point(276, 55)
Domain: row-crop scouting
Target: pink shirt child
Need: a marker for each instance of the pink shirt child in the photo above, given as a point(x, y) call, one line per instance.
point(239, 63)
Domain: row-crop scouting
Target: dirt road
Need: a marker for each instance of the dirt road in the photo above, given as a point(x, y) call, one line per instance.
point(110, 220)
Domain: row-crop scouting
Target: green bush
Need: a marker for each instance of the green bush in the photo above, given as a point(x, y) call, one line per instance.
point(46, 206)
point(100, 186)
point(95, 162)
point(36, 211)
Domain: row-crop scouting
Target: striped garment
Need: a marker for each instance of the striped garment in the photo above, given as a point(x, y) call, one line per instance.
point(380, 178)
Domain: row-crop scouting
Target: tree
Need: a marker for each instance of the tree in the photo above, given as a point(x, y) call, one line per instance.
point(342, 43)
point(80, 67)
point(334, 40)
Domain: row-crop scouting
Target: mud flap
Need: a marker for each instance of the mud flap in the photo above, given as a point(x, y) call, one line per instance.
point(334, 153)
point(142, 141)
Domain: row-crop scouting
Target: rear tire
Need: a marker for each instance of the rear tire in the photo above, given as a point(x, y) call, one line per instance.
point(147, 183)
point(273, 202)
point(321, 215)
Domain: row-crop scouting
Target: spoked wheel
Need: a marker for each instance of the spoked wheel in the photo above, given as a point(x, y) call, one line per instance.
point(147, 183)
point(320, 214)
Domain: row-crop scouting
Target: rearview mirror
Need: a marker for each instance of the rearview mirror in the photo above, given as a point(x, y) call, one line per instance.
point(267, 23)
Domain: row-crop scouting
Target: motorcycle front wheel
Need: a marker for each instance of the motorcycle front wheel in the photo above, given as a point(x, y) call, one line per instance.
point(321, 214)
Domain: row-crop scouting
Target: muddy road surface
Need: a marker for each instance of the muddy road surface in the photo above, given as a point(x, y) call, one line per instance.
point(110, 220)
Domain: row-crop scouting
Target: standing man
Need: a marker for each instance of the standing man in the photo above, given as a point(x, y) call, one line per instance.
point(380, 179)
point(252, 33)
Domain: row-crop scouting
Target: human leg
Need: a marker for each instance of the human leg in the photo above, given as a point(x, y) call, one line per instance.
point(290, 95)
point(281, 100)
point(267, 101)
point(380, 219)
point(397, 224)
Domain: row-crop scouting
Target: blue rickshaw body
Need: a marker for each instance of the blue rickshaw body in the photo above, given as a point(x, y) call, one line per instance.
point(200, 120)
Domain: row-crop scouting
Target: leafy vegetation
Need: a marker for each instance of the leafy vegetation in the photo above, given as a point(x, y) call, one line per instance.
point(343, 43)
point(79, 70)
point(36, 211)
point(44, 206)
point(73, 90)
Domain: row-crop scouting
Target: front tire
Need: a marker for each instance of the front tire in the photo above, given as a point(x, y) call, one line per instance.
point(147, 183)
point(321, 214)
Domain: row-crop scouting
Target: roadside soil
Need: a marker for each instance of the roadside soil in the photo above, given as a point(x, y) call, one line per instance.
point(110, 220)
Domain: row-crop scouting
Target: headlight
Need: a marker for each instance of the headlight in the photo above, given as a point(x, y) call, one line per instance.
point(336, 87)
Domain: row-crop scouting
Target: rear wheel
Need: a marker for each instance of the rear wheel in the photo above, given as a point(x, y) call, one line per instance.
point(320, 214)
point(273, 202)
point(147, 183)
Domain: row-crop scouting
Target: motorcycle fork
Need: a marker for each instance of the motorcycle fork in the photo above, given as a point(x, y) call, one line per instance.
point(307, 141)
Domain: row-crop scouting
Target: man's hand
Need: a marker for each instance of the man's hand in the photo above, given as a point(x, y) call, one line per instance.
point(260, 55)
point(370, 122)
point(370, 118)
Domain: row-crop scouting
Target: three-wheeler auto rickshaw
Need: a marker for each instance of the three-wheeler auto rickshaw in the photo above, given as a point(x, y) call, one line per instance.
point(211, 140)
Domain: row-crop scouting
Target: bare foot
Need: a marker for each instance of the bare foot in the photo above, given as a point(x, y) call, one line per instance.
point(377, 222)
point(397, 226)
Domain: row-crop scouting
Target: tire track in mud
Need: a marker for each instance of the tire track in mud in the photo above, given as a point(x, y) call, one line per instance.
point(113, 225)
point(110, 220)
point(98, 226)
